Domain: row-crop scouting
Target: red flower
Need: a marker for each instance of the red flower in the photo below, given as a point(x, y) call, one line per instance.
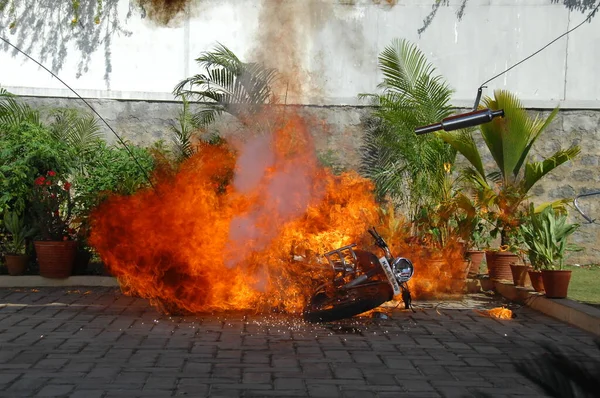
point(48, 182)
point(67, 186)
point(39, 181)
point(51, 173)
point(65, 238)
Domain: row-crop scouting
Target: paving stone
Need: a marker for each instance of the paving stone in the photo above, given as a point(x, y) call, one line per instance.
point(85, 393)
point(109, 345)
point(344, 372)
point(289, 384)
point(256, 377)
point(53, 390)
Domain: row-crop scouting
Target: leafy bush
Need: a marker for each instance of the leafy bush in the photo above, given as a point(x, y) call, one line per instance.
point(111, 169)
point(26, 151)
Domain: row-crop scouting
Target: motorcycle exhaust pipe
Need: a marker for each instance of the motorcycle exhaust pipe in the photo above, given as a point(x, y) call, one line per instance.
point(363, 278)
point(461, 121)
point(357, 281)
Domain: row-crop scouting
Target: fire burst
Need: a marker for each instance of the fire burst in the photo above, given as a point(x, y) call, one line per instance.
point(242, 226)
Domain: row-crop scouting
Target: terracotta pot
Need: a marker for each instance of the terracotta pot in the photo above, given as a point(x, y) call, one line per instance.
point(476, 257)
point(519, 274)
point(499, 264)
point(56, 258)
point(536, 281)
point(16, 263)
point(556, 283)
point(458, 283)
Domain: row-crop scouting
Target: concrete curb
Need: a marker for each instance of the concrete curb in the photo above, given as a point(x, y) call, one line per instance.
point(39, 281)
point(577, 314)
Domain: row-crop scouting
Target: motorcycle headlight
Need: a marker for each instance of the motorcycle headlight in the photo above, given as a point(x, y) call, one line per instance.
point(403, 269)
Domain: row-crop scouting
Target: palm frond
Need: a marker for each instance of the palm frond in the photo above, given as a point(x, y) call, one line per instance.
point(472, 175)
point(538, 129)
point(401, 64)
point(183, 132)
point(536, 170)
point(13, 112)
point(507, 148)
point(464, 143)
point(79, 131)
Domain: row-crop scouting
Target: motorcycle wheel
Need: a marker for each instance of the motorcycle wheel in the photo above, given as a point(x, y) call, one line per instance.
point(349, 302)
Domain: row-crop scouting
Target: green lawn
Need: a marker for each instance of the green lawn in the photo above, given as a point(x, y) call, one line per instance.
point(585, 284)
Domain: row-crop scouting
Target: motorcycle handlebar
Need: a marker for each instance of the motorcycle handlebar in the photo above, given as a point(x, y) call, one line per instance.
point(378, 239)
point(374, 233)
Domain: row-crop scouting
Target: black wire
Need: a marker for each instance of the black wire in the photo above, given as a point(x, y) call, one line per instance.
point(85, 102)
point(590, 15)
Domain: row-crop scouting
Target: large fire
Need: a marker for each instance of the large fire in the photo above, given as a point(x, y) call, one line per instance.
point(243, 226)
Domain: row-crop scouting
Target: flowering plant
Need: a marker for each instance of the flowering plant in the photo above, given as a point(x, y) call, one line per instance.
point(52, 207)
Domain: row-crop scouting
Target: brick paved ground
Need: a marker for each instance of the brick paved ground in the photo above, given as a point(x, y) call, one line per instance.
point(98, 343)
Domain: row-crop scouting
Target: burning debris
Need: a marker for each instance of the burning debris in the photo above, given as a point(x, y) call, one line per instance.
point(498, 313)
point(243, 226)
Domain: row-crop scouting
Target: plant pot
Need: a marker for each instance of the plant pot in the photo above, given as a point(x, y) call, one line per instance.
point(536, 281)
point(56, 258)
point(476, 257)
point(82, 260)
point(519, 274)
point(16, 263)
point(499, 264)
point(556, 283)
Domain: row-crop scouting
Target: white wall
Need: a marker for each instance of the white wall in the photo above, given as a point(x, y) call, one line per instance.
point(328, 47)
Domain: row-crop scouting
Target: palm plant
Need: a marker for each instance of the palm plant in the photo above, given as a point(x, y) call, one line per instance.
point(407, 168)
point(79, 131)
point(183, 132)
point(13, 112)
point(509, 140)
point(227, 85)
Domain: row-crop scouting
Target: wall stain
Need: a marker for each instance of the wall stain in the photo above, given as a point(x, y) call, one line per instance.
point(281, 42)
point(163, 11)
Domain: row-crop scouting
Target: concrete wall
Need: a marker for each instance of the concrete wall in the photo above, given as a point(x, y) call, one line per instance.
point(327, 49)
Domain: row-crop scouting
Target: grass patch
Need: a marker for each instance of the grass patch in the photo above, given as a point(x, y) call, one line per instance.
point(585, 284)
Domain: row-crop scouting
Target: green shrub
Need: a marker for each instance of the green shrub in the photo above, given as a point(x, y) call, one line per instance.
point(26, 151)
point(111, 169)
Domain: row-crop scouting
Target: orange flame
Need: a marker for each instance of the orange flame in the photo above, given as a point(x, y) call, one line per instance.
point(243, 228)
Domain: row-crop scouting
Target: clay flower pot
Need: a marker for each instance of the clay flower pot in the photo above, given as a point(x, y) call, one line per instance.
point(556, 283)
point(476, 257)
point(56, 258)
point(536, 280)
point(519, 274)
point(499, 264)
point(16, 263)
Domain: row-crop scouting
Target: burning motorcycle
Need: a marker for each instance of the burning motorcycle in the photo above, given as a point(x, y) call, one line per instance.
point(361, 282)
